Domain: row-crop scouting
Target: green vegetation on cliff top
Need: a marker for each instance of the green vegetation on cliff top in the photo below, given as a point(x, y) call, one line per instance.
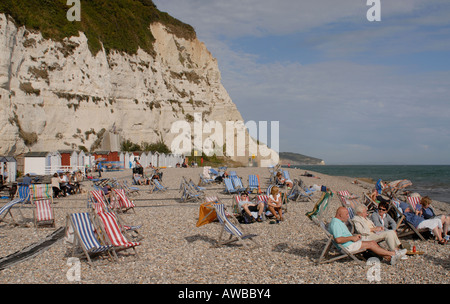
point(121, 25)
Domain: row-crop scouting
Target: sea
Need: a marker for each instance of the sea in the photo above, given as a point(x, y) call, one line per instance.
point(431, 180)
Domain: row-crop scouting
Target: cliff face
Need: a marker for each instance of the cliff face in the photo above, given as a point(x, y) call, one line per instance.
point(58, 95)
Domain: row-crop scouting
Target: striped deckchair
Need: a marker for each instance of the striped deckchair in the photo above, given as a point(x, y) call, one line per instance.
point(156, 185)
point(413, 201)
point(86, 237)
point(114, 235)
point(121, 201)
point(97, 201)
point(320, 206)
point(42, 198)
point(234, 229)
point(23, 192)
point(349, 201)
point(6, 209)
point(253, 183)
point(229, 187)
point(237, 183)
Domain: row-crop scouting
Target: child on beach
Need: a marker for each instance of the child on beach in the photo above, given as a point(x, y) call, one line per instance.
point(274, 204)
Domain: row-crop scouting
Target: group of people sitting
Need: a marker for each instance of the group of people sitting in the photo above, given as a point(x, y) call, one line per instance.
point(64, 184)
point(380, 226)
point(140, 179)
point(273, 204)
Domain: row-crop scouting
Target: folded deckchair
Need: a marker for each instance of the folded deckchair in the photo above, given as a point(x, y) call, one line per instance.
point(231, 225)
point(81, 233)
point(6, 209)
point(112, 233)
point(121, 202)
point(297, 194)
point(41, 196)
point(207, 212)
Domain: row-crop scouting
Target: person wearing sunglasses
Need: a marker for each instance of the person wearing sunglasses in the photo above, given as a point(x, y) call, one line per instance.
point(382, 219)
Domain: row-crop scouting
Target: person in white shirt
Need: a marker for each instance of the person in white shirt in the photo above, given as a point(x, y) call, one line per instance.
point(274, 204)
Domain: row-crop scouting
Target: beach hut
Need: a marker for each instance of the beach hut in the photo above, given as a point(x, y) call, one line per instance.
point(8, 166)
point(42, 163)
point(81, 160)
point(69, 160)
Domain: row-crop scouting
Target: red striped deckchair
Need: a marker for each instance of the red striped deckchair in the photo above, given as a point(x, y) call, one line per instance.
point(42, 198)
point(114, 234)
point(413, 201)
point(98, 201)
point(121, 200)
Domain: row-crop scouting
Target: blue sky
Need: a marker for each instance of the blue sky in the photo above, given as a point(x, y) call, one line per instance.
point(344, 89)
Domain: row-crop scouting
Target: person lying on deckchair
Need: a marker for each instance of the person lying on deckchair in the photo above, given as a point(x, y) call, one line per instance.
point(354, 243)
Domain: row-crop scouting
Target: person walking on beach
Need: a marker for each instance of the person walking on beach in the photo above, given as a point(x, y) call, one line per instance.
point(353, 243)
point(274, 204)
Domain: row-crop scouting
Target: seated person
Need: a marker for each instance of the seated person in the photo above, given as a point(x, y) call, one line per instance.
point(274, 204)
point(370, 232)
point(376, 196)
point(353, 243)
point(249, 207)
point(107, 191)
point(137, 178)
point(281, 181)
point(428, 213)
point(382, 219)
point(434, 225)
point(157, 175)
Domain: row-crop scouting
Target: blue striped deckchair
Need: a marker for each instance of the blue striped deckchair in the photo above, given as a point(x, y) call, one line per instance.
point(6, 209)
point(229, 187)
point(86, 236)
point(157, 186)
point(232, 173)
point(234, 229)
point(253, 183)
point(23, 192)
point(237, 183)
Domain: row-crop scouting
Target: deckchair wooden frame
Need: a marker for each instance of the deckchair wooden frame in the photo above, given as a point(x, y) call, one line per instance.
point(121, 202)
point(6, 209)
point(88, 238)
point(112, 233)
point(331, 242)
point(404, 228)
point(231, 225)
point(41, 196)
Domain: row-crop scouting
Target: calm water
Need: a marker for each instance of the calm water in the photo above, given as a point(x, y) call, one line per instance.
point(433, 181)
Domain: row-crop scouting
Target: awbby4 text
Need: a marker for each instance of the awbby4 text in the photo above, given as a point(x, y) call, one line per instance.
point(228, 293)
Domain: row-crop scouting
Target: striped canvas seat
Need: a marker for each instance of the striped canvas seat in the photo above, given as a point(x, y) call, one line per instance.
point(41, 196)
point(85, 232)
point(234, 229)
point(122, 201)
point(229, 187)
point(6, 209)
point(414, 201)
point(98, 201)
point(23, 192)
point(43, 212)
point(113, 231)
point(253, 182)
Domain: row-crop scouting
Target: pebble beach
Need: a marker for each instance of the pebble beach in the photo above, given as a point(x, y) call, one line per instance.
point(175, 251)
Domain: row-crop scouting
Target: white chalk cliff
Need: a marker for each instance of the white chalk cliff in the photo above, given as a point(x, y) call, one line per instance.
point(58, 95)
